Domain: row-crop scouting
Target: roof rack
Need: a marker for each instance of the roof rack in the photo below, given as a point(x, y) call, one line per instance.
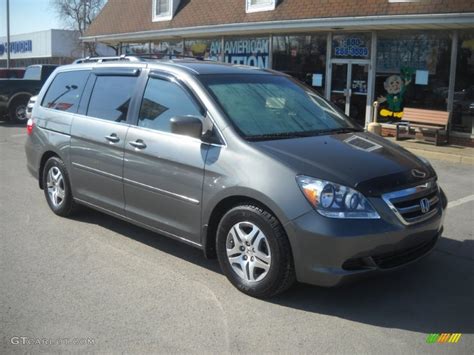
point(138, 58)
point(169, 56)
point(106, 59)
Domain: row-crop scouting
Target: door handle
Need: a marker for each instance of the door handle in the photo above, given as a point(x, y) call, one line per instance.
point(139, 144)
point(112, 138)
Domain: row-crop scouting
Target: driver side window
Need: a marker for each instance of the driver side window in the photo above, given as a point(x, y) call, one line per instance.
point(162, 101)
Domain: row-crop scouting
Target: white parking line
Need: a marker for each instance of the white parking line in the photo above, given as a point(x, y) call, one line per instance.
point(461, 201)
point(18, 135)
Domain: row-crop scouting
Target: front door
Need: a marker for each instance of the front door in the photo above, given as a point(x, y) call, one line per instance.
point(349, 82)
point(164, 172)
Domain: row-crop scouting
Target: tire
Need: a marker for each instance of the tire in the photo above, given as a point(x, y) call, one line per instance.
point(57, 188)
point(264, 268)
point(17, 110)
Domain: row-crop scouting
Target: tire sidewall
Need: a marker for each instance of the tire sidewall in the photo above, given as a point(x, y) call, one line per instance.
point(242, 214)
point(66, 206)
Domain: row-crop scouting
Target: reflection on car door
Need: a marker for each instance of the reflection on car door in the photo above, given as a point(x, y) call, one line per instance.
point(163, 172)
point(98, 139)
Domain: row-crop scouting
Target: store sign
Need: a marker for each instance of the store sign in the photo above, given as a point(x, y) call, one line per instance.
point(253, 52)
point(16, 47)
point(350, 46)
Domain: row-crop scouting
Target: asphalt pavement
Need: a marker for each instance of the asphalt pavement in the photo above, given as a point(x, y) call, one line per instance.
point(93, 283)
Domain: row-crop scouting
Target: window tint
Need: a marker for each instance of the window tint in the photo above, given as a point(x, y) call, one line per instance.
point(111, 96)
point(65, 91)
point(162, 101)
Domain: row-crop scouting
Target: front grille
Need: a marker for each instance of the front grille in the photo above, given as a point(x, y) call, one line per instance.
point(407, 204)
point(400, 257)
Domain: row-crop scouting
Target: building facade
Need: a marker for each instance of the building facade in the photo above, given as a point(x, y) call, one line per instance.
point(402, 53)
point(44, 47)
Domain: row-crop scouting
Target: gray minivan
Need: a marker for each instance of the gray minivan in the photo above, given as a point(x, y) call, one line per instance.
point(248, 165)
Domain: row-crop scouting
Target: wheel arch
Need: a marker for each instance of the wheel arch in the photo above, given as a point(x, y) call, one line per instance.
point(44, 158)
point(17, 95)
point(209, 234)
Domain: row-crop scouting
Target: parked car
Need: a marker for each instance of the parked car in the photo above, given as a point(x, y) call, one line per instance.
point(248, 165)
point(15, 93)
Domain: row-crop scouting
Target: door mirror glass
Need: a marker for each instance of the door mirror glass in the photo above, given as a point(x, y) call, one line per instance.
point(187, 126)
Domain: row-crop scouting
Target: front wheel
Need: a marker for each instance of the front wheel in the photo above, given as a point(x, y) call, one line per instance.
point(254, 251)
point(57, 188)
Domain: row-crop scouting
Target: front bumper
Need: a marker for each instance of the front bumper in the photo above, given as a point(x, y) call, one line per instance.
point(330, 252)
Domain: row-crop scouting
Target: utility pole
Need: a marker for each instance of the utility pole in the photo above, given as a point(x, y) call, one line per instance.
point(8, 34)
point(84, 24)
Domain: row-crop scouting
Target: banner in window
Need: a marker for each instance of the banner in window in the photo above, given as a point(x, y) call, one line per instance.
point(248, 51)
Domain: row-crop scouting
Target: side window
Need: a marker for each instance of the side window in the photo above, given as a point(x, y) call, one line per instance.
point(111, 97)
point(65, 91)
point(162, 101)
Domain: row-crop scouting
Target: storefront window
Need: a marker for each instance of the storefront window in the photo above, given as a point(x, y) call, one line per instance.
point(167, 49)
point(412, 71)
point(247, 51)
point(351, 46)
point(209, 49)
point(303, 57)
point(136, 48)
point(463, 104)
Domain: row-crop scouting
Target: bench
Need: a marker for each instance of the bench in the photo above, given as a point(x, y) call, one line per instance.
point(432, 125)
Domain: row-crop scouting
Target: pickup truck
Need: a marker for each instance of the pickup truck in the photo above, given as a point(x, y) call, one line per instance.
point(15, 93)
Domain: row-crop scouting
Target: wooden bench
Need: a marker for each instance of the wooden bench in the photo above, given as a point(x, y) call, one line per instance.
point(432, 125)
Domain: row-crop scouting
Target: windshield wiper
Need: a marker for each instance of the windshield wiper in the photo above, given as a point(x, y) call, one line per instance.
point(287, 135)
point(283, 135)
point(339, 130)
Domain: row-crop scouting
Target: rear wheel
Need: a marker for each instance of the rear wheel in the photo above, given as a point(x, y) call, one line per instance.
point(254, 251)
point(57, 188)
point(17, 110)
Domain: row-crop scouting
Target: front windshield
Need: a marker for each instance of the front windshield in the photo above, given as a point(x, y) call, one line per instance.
point(264, 106)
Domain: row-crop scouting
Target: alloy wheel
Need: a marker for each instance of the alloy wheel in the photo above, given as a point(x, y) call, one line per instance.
point(248, 251)
point(55, 186)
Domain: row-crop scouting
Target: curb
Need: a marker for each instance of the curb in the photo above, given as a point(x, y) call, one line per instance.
point(452, 158)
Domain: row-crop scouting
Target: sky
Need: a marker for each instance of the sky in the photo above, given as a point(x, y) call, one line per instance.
point(28, 16)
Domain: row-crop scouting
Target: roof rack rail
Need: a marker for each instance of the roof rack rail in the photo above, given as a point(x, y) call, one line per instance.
point(138, 58)
point(106, 59)
point(169, 56)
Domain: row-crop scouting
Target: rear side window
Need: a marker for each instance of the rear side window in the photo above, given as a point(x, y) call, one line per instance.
point(65, 91)
point(162, 101)
point(111, 97)
point(32, 73)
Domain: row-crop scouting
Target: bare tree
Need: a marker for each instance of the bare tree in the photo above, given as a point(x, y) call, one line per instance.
point(78, 15)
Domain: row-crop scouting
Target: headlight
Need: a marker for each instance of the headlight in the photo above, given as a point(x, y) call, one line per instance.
point(334, 200)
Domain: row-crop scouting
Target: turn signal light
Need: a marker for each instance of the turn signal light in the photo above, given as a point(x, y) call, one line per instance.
point(29, 126)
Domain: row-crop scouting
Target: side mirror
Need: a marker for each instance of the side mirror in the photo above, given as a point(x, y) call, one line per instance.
point(187, 125)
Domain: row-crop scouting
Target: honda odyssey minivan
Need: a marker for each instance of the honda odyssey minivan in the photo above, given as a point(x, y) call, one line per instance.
point(248, 165)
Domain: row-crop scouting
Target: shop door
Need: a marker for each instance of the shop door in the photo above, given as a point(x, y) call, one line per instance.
point(349, 88)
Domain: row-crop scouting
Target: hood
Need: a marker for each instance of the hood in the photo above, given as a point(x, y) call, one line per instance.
point(364, 161)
